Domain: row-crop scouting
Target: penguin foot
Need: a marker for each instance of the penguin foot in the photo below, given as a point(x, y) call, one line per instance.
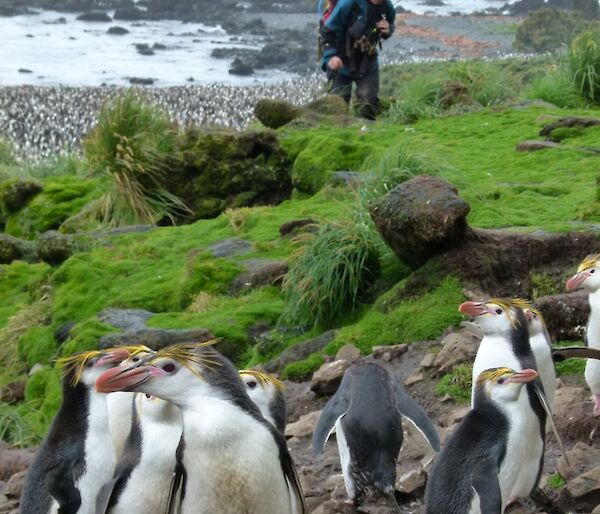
point(511, 500)
point(597, 405)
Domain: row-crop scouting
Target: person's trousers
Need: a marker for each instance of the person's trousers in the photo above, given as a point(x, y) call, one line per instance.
point(367, 91)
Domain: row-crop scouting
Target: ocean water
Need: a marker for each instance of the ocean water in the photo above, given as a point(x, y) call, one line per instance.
point(36, 50)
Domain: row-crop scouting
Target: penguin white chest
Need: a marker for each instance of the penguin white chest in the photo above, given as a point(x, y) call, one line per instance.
point(232, 464)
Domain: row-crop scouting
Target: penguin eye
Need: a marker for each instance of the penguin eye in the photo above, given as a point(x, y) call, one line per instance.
point(592, 270)
point(500, 381)
point(169, 367)
point(252, 384)
point(498, 311)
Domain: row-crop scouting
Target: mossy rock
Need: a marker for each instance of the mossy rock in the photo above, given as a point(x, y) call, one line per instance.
point(61, 197)
point(332, 105)
point(321, 157)
point(15, 193)
point(13, 248)
point(226, 169)
point(274, 113)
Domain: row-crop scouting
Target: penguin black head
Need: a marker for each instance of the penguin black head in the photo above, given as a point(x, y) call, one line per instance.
point(495, 316)
point(587, 276)
point(501, 385)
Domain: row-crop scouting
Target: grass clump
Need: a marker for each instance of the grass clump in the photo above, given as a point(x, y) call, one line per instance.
point(14, 428)
point(133, 146)
point(584, 63)
point(485, 83)
point(418, 98)
point(457, 384)
point(555, 87)
point(329, 274)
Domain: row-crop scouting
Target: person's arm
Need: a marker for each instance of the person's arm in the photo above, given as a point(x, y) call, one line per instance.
point(390, 18)
point(332, 33)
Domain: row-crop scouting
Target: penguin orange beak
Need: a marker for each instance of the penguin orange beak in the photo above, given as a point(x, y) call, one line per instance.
point(576, 280)
point(125, 379)
point(473, 309)
point(113, 356)
point(524, 376)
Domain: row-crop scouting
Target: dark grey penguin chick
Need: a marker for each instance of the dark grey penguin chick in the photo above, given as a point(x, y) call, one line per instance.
point(367, 412)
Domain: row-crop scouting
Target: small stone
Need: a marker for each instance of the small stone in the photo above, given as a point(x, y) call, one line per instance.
point(446, 398)
point(327, 378)
point(349, 353)
point(411, 482)
point(14, 486)
point(388, 353)
point(35, 368)
point(427, 361)
point(304, 426)
point(414, 378)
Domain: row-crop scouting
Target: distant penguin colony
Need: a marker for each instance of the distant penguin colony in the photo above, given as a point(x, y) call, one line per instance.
point(185, 431)
point(45, 121)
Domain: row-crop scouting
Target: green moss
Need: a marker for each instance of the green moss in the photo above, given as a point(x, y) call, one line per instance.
point(543, 284)
point(556, 481)
point(37, 346)
point(43, 396)
point(62, 197)
point(570, 366)
point(457, 384)
point(86, 336)
point(302, 370)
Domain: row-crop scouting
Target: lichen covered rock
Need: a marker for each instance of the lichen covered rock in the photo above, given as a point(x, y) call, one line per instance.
point(275, 113)
point(226, 169)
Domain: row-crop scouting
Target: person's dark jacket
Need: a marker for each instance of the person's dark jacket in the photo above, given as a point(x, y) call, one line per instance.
point(335, 39)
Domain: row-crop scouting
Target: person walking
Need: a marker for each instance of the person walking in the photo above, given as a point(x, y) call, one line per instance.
point(351, 38)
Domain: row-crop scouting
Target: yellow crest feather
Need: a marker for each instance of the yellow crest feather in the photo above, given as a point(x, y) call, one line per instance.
point(589, 262)
point(76, 363)
point(186, 355)
point(263, 378)
point(491, 375)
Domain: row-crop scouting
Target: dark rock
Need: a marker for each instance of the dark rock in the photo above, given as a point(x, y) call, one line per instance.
point(58, 21)
point(12, 248)
point(16, 193)
point(159, 46)
point(144, 49)
point(273, 113)
point(231, 247)
point(299, 351)
point(117, 31)
point(420, 218)
point(239, 67)
point(140, 81)
point(13, 392)
point(532, 146)
point(571, 122)
point(13, 460)
point(258, 273)
point(127, 320)
point(294, 226)
point(129, 13)
point(24, 70)
point(54, 247)
point(255, 26)
point(433, 3)
point(565, 314)
point(95, 16)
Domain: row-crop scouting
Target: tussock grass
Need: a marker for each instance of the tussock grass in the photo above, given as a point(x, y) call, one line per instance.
point(485, 82)
point(14, 429)
point(555, 87)
point(238, 218)
point(329, 273)
point(584, 63)
point(133, 145)
point(417, 99)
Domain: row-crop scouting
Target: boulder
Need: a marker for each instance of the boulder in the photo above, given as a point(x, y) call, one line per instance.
point(144, 49)
point(327, 378)
point(224, 169)
point(300, 351)
point(117, 31)
point(274, 113)
point(421, 217)
point(12, 249)
point(349, 353)
point(573, 414)
point(141, 81)
point(15, 483)
point(304, 426)
point(13, 392)
point(457, 347)
point(566, 314)
point(239, 67)
point(54, 247)
point(95, 16)
point(583, 477)
point(15, 194)
point(294, 226)
point(258, 273)
point(128, 320)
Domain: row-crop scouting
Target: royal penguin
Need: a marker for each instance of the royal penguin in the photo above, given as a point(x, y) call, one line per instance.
point(367, 411)
point(588, 277)
point(148, 461)
point(480, 463)
point(540, 343)
point(77, 455)
point(232, 459)
point(267, 392)
point(505, 343)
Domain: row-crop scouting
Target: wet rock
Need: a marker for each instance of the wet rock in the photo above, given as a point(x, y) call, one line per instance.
point(304, 426)
point(420, 218)
point(258, 273)
point(14, 460)
point(239, 67)
point(128, 13)
point(13, 392)
point(117, 31)
point(275, 113)
point(300, 351)
point(327, 378)
point(532, 146)
point(460, 346)
point(95, 16)
point(294, 226)
point(389, 353)
point(231, 247)
point(125, 319)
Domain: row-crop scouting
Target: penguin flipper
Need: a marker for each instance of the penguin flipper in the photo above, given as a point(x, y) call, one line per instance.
point(484, 481)
point(176, 490)
point(336, 407)
point(104, 496)
point(61, 486)
point(412, 411)
point(575, 352)
point(297, 501)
